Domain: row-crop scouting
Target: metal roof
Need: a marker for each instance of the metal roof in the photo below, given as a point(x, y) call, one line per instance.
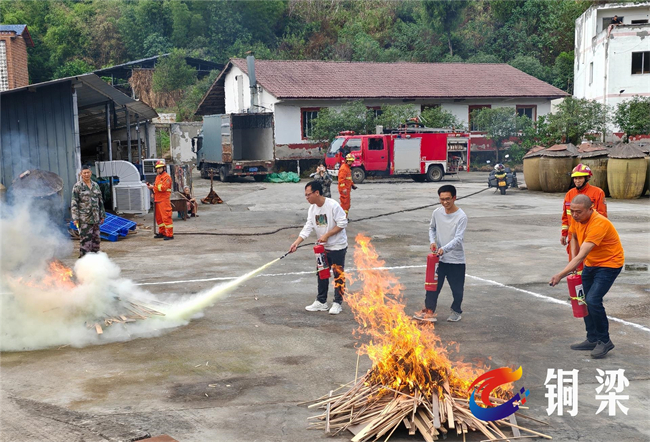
point(19, 30)
point(92, 95)
point(203, 67)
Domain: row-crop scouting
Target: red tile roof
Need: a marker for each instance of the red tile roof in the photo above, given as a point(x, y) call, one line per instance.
point(344, 80)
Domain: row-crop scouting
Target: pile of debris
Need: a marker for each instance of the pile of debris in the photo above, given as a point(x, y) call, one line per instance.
point(127, 311)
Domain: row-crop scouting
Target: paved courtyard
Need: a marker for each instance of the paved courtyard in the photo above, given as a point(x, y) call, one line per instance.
point(239, 371)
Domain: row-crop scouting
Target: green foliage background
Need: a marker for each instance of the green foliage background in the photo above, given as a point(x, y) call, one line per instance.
point(533, 35)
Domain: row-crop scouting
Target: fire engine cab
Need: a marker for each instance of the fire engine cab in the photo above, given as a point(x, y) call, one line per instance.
point(423, 153)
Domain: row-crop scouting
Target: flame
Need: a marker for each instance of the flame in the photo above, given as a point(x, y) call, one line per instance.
point(56, 276)
point(406, 355)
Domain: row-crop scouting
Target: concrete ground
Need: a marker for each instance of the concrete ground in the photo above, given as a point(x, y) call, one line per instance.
point(263, 353)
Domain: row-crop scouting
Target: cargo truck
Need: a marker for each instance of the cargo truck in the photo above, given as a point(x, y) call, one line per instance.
point(236, 145)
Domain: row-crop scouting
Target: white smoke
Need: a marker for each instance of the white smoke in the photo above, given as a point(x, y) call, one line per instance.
point(35, 314)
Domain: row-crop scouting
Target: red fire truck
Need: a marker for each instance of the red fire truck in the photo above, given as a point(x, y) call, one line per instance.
point(422, 153)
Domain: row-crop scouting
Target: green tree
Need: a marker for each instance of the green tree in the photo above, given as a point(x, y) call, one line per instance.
point(193, 96)
point(172, 73)
point(393, 116)
point(562, 72)
point(353, 116)
point(439, 118)
point(531, 66)
point(574, 118)
point(446, 15)
point(633, 116)
point(501, 124)
point(72, 68)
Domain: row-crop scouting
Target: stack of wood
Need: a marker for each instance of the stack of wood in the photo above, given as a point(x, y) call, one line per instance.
point(130, 312)
point(212, 197)
point(372, 412)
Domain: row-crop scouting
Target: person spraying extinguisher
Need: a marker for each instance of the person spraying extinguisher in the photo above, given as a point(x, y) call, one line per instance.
point(447, 258)
point(601, 250)
point(328, 220)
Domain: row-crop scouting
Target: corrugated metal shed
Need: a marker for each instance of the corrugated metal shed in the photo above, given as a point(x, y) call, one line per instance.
point(37, 124)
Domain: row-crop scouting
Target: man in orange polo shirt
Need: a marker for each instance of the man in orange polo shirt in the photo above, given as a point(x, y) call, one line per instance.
point(602, 252)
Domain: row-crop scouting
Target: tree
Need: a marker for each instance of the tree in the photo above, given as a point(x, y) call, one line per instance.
point(575, 118)
point(633, 116)
point(563, 71)
point(393, 116)
point(72, 68)
point(172, 73)
point(500, 123)
point(531, 66)
point(445, 15)
point(439, 118)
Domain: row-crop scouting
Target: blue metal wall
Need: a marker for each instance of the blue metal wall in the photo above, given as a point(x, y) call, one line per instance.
point(37, 132)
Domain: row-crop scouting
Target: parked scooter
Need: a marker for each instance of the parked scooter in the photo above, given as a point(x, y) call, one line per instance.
point(502, 178)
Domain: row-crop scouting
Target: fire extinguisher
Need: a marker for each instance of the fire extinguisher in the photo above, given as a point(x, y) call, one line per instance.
point(577, 294)
point(322, 267)
point(431, 281)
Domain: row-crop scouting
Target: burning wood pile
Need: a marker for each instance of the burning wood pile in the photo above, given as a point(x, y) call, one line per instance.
point(412, 382)
point(130, 312)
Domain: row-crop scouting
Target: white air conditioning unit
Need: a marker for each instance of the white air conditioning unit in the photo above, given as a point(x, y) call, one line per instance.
point(131, 198)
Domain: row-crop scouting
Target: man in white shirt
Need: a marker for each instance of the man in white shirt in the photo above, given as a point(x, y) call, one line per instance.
point(328, 219)
point(446, 233)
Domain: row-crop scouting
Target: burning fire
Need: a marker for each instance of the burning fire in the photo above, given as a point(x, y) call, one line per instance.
point(57, 276)
point(406, 355)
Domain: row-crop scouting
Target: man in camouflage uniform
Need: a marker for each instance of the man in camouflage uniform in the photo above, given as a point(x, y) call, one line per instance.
point(87, 212)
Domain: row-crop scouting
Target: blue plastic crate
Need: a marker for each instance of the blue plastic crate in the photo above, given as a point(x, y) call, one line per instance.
point(113, 227)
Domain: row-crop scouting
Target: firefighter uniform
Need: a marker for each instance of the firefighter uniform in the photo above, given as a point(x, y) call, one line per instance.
point(345, 186)
point(162, 192)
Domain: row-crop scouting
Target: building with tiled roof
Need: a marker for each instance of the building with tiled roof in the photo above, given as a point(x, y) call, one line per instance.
point(296, 90)
point(14, 40)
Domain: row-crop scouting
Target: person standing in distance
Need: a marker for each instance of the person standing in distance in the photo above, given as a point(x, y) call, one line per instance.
point(596, 242)
point(446, 232)
point(328, 219)
point(162, 192)
point(88, 212)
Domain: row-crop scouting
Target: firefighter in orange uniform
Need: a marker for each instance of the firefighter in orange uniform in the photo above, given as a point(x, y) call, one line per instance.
point(162, 192)
point(345, 183)
point(580, 176)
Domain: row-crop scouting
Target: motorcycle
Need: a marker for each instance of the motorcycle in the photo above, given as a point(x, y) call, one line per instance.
point(502, 177)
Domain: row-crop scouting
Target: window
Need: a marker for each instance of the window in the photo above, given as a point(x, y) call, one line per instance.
point(529, 110)
point(608, 21)
point(591, 72)
point(472, 126)
point(641, 62)
point(4, 74)
point(308, 115)
point(377, 110)
point(639, 22)
point(353, 145)
point(375, 144)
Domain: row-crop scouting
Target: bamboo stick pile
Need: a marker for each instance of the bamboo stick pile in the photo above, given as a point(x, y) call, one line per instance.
point(129, 311)
point(373, 412)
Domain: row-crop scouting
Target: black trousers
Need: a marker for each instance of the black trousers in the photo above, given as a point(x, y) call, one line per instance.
point(455, 274)
point(336, 261)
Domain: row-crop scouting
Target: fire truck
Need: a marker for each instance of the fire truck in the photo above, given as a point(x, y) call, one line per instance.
point(423, 153)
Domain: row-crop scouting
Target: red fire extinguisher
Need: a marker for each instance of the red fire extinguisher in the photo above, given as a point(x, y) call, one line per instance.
point(431, 281)
point(322, 267)
point(577, 294)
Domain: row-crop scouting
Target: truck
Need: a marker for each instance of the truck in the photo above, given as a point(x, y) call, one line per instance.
point(424, 154)
point(236, 145)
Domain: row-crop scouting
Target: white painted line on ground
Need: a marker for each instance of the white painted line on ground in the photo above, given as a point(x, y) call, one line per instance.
point(557, 301)
point(489, 281)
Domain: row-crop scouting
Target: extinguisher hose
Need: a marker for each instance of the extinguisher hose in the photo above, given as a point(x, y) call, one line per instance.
point(271, 232)
point(301, 245)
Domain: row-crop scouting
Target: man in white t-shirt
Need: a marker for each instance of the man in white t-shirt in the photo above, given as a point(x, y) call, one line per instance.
point(328, 219)
point(446, 233)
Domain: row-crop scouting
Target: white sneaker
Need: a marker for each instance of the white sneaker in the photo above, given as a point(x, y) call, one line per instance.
point(336, 308)
point(317, 307)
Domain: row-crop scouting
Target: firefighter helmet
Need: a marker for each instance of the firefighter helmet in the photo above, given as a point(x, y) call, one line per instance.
point(349, 157)
point(160, 163)
point(581, 170)
point(499, 167)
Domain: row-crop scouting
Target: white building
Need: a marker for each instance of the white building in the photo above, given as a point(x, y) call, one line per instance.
point(612, 64)
point(295, 91)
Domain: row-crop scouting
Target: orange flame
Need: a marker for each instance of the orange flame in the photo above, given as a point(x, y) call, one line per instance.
point(404, 353)
point(57, 276)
